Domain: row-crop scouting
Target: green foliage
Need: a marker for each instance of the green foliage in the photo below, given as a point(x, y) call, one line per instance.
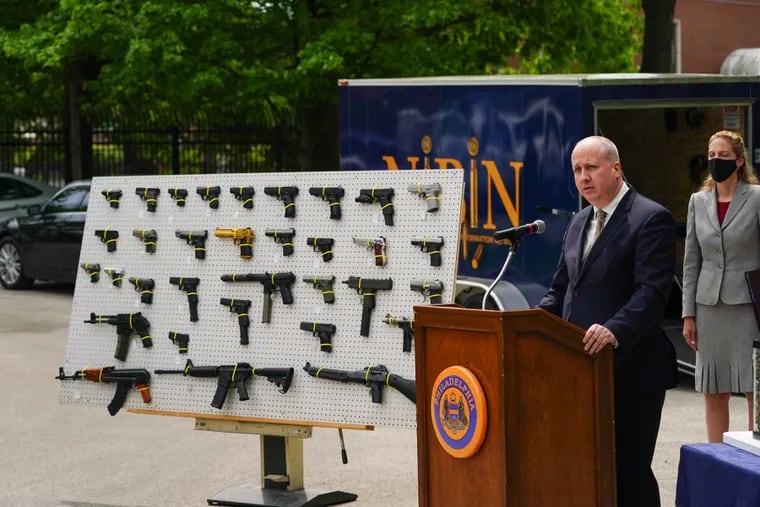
point(271, 57)
point(275, 59)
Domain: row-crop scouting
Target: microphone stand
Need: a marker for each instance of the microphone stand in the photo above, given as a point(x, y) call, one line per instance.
point(512, 250)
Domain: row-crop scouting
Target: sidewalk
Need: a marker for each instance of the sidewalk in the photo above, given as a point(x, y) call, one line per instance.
point(53, 454)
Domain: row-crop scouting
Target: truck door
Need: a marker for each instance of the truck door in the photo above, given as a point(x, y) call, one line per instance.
point(663, 151)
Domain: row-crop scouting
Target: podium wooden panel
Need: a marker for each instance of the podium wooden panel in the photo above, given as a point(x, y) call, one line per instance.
point(550, 432)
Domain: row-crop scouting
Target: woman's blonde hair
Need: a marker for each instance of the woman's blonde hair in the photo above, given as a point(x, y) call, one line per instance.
point(745, 171)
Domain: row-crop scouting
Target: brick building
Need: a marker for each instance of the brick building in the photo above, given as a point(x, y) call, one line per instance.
point(707, 31)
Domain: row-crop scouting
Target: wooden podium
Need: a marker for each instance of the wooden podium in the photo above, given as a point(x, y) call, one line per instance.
point(549, 428)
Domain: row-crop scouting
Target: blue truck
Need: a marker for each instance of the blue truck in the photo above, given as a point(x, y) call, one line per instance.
point(513, 135)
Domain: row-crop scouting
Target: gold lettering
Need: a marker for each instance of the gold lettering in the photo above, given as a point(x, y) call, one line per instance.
point(390, 163)
point(446, 163)
point(495, 181)
point(474, 215)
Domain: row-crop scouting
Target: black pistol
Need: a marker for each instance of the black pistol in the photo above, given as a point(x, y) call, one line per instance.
point(197, 239)
point(284, 237)
point(324, 331)
point(324, 245)
point(432, 245)
point(210, 195)
point(288, 197)
point(108, 237)
point(332, 195)
point(240, 308)
point(179, 195)
point(113, 197)
point(384, 196)
point(244, 194)
point(190, 286)
point(150, 196)
point(145, 287)
point(367, 288)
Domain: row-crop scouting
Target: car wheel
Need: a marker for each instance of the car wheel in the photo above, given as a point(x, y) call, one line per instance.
point(11, 271)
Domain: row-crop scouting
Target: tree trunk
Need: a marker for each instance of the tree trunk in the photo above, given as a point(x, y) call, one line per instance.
point(658, 36)
point(319, 138)
point(79, 161)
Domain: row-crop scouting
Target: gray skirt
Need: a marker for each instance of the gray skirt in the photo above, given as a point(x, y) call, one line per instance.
point(724, 348)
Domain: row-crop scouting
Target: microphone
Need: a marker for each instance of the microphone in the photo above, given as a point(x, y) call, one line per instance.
point(515, 233)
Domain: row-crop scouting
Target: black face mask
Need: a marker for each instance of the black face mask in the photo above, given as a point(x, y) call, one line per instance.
point(721, 169)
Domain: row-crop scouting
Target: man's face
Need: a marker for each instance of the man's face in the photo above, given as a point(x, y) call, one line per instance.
point(597, 178)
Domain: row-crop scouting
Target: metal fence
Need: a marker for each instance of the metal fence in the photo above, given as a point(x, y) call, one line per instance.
point(34, 147)
point(38, 147)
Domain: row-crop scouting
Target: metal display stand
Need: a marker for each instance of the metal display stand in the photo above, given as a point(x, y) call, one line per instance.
point(282, 478)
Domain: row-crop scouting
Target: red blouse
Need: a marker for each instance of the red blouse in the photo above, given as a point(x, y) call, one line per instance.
point(722, 209)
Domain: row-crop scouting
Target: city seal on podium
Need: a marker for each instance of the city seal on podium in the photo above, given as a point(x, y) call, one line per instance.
point(458, 411)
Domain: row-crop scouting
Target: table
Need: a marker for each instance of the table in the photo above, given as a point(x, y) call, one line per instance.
point(717, 475)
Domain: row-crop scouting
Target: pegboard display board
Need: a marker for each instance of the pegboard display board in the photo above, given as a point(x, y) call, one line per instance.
point(214, 339)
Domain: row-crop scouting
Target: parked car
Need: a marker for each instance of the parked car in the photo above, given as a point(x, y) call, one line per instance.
point(45, 244)
point(18, 193)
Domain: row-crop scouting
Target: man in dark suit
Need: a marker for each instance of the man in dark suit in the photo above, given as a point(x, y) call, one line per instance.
point(613, 279)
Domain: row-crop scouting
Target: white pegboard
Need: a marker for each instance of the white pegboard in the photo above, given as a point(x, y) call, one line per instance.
point(215, 337)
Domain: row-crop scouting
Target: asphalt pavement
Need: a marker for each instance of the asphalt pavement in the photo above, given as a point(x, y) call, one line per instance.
point(65, 455)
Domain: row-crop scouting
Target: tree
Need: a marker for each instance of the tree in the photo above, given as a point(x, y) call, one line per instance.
point(658, 35)
point(276, 57)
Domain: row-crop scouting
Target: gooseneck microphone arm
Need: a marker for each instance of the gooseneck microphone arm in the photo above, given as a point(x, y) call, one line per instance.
point(514, 235)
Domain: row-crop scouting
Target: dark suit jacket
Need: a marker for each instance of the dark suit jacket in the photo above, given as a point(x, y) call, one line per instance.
point(624, 285)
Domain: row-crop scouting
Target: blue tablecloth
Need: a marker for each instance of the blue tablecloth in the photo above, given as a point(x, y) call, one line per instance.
point(717, 475)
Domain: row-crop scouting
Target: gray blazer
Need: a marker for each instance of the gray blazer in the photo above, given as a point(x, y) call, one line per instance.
point(716, 256)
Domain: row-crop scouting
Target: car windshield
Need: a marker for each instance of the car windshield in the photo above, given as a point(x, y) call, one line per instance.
point(68, 199)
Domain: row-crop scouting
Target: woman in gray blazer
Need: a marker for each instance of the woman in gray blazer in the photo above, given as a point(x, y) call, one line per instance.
point(722, 242)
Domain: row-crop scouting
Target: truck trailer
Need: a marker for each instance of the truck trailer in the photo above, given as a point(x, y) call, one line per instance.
point(513, 135)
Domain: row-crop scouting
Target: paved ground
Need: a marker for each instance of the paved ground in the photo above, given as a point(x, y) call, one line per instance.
point(53, 455)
